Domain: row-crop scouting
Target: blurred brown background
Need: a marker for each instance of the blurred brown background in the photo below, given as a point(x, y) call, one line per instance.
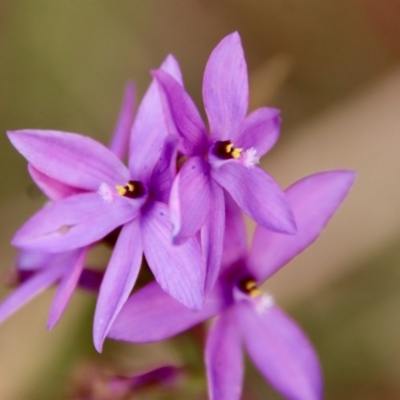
point(332, 67)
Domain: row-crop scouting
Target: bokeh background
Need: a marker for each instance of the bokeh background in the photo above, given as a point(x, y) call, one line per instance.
point(332, 67)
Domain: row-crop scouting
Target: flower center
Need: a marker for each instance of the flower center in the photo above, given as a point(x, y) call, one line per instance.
point(248, 286)
point(226, 150)
point(132, 190)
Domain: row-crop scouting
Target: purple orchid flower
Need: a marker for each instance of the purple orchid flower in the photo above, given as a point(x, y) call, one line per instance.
point(38, 270)
point(95, 382)
point(115, 196)
point(226, 158)
point(274, 342)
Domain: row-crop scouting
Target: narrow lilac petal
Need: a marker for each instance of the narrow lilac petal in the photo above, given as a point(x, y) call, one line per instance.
point(151, 315)
point(120, 139)
point(281, 352)
point(226, 88)
point(31, 260)
point(149, 129)
point(70, 158)
point(52, 188)
point(74, 222)
point(224, 358)
point(212, 237)
point(30, 289)
point(186, 118)
point(258, 195)
point(178, 269)
point(73, 265)
point(118, 281)
point(314, 200)
point(90, 280)
point(165, 171)
point(260, 131)
point(190, 199)
point(235, 239)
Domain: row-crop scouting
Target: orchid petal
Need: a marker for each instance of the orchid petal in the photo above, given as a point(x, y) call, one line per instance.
point(164, 171)
point(75, 160)
point(212, 236)
point(226, 88)
point(281, 352)
point(314, 200)
point(190, 199)
point(260, 131)
point(73, 265)
point(30, 289)
point(118, 281)
point(235, 239)
point(120, 139)
point(74, 222)
point(257, 195)
point(32, 260)
point(224, 358)
point(150, 315)
point(187, 122)
point(149, 129)
point(52, 188)
point(171, 66)
point(178, 269)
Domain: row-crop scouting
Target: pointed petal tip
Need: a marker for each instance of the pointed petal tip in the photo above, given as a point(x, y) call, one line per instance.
point(99, 347)
point(14, 135)
point(51, 324)
point(233, 39)
point(235, 35)
point(345, 177)
point(350, 174)
point(16, 241)
point(98, 339)
point(291, 227)
point(170, 58)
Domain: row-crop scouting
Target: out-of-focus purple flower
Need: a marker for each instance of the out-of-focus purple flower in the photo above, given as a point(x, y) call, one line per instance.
point(113, 196)
point(246, 315)
point(38, 270)
point(226, 158)
point(94, 382)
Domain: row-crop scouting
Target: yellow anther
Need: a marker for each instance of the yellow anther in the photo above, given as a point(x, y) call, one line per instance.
point(130, 186)
point(252, 289)
point(250, 285)
point(229, 147)
point(235, 153)
point(254, 292)
point(121, 190)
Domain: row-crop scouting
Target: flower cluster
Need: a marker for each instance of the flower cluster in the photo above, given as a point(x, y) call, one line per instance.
point(179, 205)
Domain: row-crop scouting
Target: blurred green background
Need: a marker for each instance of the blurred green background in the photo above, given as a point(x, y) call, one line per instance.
point(333, 70)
